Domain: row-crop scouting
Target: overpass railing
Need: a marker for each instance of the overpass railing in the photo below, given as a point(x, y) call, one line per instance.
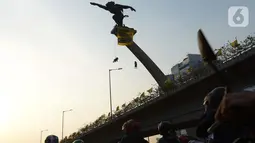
point(207, 71)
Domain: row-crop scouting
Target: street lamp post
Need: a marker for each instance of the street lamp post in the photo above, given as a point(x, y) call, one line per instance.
point(63, 114)
point(110, 88)
point(41, 134)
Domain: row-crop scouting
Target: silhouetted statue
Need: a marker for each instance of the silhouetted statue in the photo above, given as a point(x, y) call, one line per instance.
point(115, 60)
point(116, 10)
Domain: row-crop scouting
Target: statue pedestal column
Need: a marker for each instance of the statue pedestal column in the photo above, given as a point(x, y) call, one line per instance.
point(124, 34)
point(154, 70)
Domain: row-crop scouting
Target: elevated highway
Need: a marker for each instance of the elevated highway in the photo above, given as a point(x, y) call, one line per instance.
point(184, 106)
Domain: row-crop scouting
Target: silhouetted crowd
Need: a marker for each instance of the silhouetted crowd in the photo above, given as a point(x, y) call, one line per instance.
point(229, 117)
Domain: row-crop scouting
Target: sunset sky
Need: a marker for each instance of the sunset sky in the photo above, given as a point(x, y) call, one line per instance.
point(55, 55)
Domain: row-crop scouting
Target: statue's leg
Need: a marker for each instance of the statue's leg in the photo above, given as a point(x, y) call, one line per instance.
point(118, 19)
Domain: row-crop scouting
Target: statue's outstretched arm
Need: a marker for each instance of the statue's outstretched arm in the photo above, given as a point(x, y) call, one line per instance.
point(99, 5)
point(125, 7)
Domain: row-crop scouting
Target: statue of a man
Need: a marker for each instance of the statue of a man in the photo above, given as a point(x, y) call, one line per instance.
point(116, 10)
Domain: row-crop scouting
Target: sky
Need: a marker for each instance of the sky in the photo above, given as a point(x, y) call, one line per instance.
point(55, 55)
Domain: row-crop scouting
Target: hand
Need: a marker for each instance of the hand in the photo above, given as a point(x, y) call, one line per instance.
point(92, 3)
point(132, 9)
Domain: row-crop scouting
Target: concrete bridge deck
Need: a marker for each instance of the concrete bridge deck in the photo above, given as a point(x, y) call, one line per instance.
point(183, 107)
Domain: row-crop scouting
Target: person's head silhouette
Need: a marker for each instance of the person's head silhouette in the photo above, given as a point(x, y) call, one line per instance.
point(110, 4)
point(52, 139)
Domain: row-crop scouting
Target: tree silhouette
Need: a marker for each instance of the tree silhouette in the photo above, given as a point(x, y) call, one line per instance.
point(236, 47)
point(123, 106)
